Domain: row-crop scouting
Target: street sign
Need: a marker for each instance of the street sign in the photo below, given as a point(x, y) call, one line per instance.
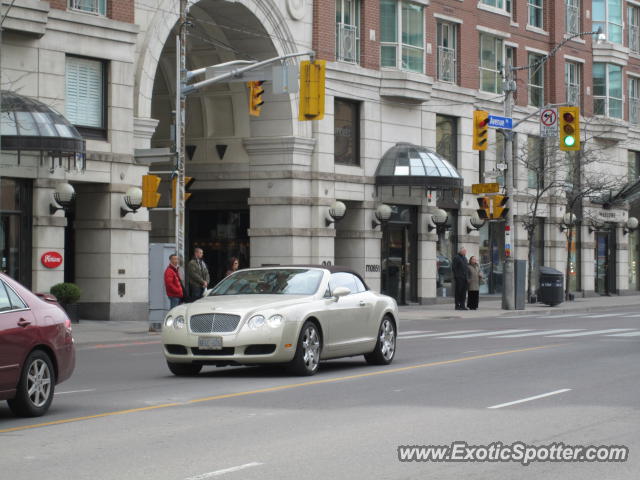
point(500, 122)
point(549, 122)
point(479, 188)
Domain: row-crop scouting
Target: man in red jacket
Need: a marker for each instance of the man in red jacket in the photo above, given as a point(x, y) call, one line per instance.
point(172, 283)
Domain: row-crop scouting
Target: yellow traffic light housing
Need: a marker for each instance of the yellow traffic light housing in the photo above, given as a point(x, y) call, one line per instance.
point(256, 90)
point(484, 211)
point(480, 129)
point(569, 128)
point(188, 181)
point(150, 197)
point(499, 206)
point(312, 83)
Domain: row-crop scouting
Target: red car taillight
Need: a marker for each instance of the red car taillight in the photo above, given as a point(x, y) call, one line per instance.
point(67, 324)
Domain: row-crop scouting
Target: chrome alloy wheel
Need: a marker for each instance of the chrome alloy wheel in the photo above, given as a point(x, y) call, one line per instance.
point(387, 339)
point(311, 347)
point(39, 382)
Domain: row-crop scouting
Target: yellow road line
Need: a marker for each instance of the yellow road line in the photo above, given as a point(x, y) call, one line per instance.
point(277, 388)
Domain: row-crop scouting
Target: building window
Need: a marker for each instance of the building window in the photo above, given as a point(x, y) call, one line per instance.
point(572, 16)
point(536, 80)
point(447, 51)
point(85, 104)
point(346, 128)
point(634, 100)
point(633, 20)
point(535, 162)
point(348, 30)
point(447, 138)
point(99, 7)
point(607, 90)
point(535, 13)
point(402, 35)
point(500, 4)
point(572, 83)
point(491, 62)
point(607, 14)
point(634, 165)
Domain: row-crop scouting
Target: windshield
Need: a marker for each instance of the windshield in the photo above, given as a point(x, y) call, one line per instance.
point(277, 281)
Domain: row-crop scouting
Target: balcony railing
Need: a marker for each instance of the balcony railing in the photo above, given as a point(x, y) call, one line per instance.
point(347, 43)
point(89, 6)
point(447, 64)
point(573, 95)
point(572, 16)
point(634, 111)
point(634, 38)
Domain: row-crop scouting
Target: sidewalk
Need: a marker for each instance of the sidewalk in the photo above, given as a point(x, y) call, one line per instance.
point(97, 332)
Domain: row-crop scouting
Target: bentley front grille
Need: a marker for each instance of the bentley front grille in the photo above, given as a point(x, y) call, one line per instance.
point(213, 323)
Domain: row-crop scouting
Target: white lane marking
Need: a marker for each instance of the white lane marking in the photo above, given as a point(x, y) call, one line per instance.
point(592, 332)
point(76, 391)
point(217, 473)
point(603, 315)
point(628, 334)
point(524, 316)
point(441, 333)
point(563, 315)
point(528, 399)
point(487, 334)
point(636, 315)
point(542, 332)
point(413, 332)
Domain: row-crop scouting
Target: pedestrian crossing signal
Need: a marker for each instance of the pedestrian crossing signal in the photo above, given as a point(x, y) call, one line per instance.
point(484, 212)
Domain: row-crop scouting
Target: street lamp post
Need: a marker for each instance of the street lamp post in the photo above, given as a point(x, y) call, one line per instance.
point(509, 87)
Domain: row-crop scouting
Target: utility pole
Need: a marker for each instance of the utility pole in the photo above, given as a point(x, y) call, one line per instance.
point(509, 86)
point(181, 82)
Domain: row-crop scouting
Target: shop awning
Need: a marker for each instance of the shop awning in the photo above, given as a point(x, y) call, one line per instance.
point(406, 164)
point(27, 125)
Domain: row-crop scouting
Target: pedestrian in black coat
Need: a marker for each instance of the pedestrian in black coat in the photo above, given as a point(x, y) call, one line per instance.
point(460, 269)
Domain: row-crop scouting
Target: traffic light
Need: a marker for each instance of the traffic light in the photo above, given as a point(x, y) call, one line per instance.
point(150, 197)
point(484, 211)
point(312, 80)
point(256, 90)
point(569, 128)
point(188, 181)
point(499, 206)
point(480, 129)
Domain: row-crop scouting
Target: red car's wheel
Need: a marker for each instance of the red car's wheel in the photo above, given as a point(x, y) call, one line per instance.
point(35, 389)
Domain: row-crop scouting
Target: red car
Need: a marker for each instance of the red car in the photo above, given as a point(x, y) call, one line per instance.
point(36, 348)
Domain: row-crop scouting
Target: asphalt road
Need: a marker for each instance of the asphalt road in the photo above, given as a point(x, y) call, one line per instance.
point(575, 378)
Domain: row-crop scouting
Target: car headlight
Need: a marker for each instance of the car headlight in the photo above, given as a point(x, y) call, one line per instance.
point(168, 321)
point(178, 322)
point(275, 320)
point(256, 322)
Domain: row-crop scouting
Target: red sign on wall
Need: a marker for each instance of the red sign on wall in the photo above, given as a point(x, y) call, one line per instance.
point(51, 259)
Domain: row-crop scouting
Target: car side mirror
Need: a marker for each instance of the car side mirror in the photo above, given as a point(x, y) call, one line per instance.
point(340, 292)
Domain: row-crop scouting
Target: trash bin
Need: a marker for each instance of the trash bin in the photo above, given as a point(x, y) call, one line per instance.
point(551, 289)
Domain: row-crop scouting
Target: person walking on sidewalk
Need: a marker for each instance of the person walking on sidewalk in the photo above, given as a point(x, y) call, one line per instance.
point(460, 269)
point(172, 283)
point(475, 276)
point(198, 275)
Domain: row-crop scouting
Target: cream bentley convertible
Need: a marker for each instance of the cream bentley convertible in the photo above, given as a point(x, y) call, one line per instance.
point(293, 316)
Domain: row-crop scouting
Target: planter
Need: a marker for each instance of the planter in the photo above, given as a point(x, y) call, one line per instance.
point(72, 311)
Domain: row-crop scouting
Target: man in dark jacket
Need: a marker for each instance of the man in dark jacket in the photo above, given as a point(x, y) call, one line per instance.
point(198, 274)
point(460, 269)
point(172, 282)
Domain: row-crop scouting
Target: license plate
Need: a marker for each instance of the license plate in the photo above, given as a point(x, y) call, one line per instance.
point(210, 343)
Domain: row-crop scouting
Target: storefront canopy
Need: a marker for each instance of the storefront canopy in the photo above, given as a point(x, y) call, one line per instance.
point(27, 125)
point(406, 164)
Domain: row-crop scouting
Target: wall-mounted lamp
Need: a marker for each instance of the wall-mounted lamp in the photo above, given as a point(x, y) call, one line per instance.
point(381, 215)
point(63, 197)
point(630, 226)
point(133, 200)
point(336, 212)
point(475, 223)
point(438, 220)
point(568, 220)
